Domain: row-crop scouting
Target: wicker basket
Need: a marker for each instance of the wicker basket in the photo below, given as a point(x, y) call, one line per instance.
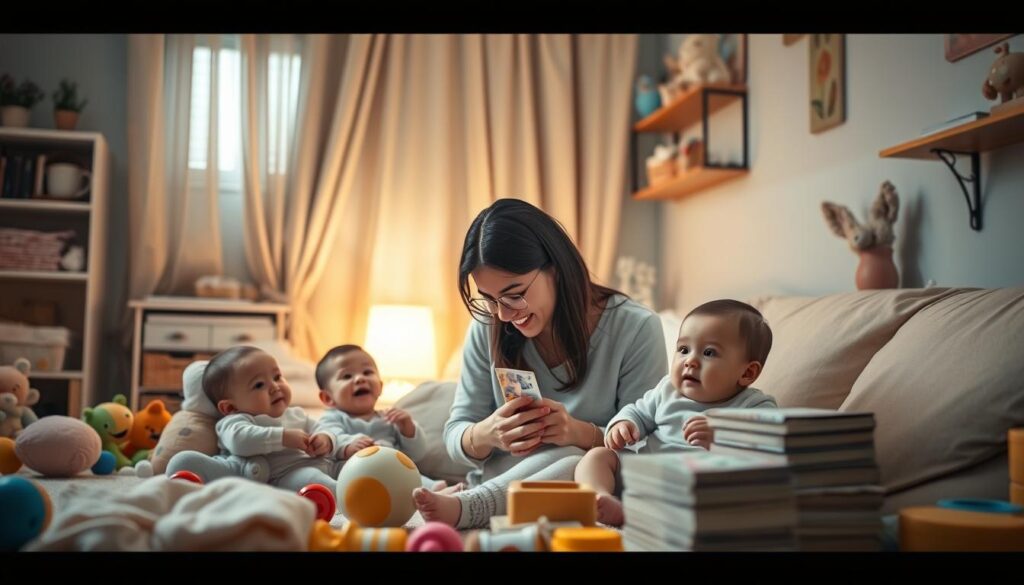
point(163, 370)
point(659, 172)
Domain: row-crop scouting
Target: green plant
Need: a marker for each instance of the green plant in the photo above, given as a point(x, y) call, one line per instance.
point(26, 95)
point(66, 97)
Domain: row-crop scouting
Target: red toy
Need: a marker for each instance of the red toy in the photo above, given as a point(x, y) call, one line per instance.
point(323, 498)
point(187, 476)
point(434, 537)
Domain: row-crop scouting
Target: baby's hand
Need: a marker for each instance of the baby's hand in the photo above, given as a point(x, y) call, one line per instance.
point(358, 444)
point(402, 420)
point(621, 434)
point(319, 445)
point(697, 432)
point(295, 439)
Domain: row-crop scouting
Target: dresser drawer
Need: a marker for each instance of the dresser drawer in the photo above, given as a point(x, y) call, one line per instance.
point(176, 335)
point(226, 333)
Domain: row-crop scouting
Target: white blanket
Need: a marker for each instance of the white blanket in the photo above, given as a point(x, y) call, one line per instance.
point(159, 514)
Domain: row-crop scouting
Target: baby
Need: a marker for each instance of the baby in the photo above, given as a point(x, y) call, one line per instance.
point(260, 435)
point(722, 347)
point(349, 388)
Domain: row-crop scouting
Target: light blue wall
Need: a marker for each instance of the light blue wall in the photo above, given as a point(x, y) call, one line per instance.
point(765, 234)
point(99, 63)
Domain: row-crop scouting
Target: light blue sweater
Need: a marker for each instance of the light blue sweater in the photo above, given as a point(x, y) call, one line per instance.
point(662, 413)
point(626, 358)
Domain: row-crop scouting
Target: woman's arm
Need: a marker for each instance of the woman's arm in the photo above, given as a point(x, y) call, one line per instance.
point(474, 400)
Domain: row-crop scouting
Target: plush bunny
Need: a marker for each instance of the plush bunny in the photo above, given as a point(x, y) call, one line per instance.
point(698, 62)
point(877, 232)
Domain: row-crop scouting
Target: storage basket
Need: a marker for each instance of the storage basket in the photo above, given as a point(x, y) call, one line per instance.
point(44, 347)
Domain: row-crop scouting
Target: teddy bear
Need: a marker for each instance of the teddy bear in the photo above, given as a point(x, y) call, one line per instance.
point(16, 398)
point(112, 421)
point(699, 62)
point(1006, 77)
point(149, 423)
point(877, 232)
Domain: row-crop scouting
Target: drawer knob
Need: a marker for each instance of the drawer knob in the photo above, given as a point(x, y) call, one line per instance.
point(243, 337)
point(177, 336)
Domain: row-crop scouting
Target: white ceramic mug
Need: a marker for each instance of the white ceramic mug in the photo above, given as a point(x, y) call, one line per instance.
point(66, 181)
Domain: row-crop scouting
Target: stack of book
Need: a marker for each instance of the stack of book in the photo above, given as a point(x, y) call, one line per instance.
point(702, 501)
point(831, 458)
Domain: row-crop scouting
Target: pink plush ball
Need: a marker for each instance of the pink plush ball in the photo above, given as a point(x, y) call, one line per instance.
point(58, 446)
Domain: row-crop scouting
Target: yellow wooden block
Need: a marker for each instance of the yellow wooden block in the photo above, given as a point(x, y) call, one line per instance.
point(936, 529)
point(1017, 493)
point(558, 500)
point(1015, 445)
point(586, 539)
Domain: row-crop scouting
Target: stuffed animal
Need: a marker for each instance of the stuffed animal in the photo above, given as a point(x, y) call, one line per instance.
point(1006, 77)
point(112, 421)
point(192, 427)
point(16, 398)
point(59, 446)
point(699, 62)
point(877, 232)
point(146, 428)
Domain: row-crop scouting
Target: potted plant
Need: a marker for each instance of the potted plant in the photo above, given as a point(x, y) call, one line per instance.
point(17, 101)
point(66, 106)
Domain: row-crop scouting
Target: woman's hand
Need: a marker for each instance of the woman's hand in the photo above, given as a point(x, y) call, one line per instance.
point(562, 429)
point(519, 433)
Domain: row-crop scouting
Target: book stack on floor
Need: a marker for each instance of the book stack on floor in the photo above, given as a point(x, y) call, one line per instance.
point(703, 501)
point(831, 458)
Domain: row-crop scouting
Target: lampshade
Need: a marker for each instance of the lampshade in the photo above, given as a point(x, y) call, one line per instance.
point(401, 340)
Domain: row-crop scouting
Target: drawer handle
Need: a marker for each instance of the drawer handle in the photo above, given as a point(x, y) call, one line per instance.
point(243, 337)
point(177, 336)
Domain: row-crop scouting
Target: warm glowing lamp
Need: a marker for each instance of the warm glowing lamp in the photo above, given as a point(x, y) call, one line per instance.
point(401, 340)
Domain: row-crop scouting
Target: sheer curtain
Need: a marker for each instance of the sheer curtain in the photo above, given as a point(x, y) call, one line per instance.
point(365, 157)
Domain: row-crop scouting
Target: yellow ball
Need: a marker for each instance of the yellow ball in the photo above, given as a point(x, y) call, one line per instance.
point(9, 462)
point(375, 487)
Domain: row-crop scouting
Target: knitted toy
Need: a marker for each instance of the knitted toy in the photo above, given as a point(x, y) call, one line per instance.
point(16, 398)
point(112, 421)
point(699, 62)
point(877, 232)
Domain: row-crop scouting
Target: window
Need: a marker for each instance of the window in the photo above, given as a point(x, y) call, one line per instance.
point(283, 90)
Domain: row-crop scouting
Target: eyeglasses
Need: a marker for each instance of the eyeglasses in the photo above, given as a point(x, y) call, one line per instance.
point(516, 302)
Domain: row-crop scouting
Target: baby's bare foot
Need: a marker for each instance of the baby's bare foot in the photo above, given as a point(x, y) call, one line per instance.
point(438, 507)
point(609, 510)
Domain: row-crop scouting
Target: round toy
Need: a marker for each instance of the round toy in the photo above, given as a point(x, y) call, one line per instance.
point(58, 446)
point(434, 537)
point(187, 476)
point(25, 509)
point(375, 487)
point(323, 498)
point(9, 462)
point(105, 464)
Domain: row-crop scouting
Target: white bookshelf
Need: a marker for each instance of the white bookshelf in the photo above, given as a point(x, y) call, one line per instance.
point(77, 296)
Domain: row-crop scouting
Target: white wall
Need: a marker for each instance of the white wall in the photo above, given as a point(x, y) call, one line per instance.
point(765, 234)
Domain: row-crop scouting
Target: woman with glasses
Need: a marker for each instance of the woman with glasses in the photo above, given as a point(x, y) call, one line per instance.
point(593, 351)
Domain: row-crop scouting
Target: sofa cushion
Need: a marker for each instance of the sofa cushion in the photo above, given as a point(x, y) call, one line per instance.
point(429, 405)
point(947, 387)
point(821, 344)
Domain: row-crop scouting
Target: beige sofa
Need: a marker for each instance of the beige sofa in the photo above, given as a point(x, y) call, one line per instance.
point(942, 369)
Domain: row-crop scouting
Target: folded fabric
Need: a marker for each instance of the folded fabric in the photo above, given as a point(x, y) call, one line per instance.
point(160, 514)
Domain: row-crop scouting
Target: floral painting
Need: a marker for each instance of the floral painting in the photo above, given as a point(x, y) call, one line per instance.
point(828, 81)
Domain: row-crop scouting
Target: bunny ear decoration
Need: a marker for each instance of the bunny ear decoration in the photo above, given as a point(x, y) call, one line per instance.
point(887, 205)
point(838, 218)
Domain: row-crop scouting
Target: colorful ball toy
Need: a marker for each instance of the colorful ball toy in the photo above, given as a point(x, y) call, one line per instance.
point(25, 508)
point(375, 487)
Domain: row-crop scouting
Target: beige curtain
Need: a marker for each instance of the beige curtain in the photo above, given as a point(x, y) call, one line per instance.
point(420, 133)
point(173, 229)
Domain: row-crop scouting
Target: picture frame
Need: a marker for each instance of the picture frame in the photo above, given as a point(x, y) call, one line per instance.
point(961, 45)
point(827, 72)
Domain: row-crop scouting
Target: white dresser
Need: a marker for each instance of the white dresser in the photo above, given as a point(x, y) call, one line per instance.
point(171, 332)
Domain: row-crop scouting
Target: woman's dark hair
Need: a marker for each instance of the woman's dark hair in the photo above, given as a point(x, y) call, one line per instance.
point(514, 236)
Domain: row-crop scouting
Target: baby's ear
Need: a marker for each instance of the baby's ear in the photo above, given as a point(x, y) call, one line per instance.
point(224, 407)
point(325, 398)
point(750, 374)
